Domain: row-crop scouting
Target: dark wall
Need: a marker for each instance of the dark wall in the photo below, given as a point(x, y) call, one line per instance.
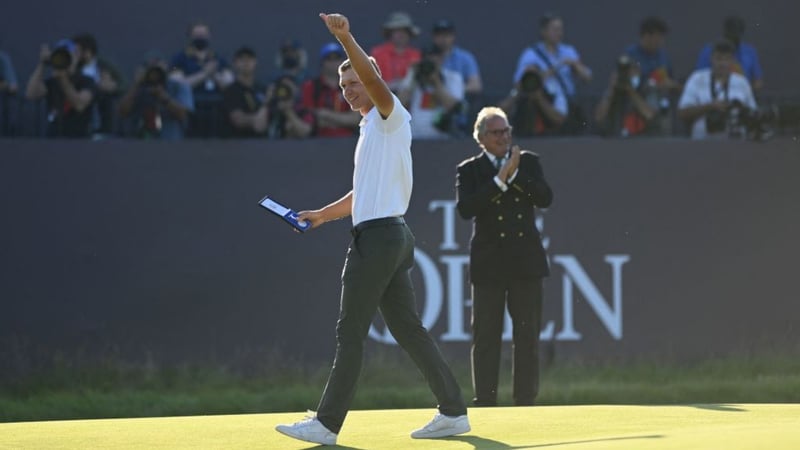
point(496, 32)
point(664, 248)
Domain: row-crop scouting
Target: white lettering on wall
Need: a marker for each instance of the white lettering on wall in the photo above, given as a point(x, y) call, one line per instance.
point(610, 316)
point(459, 303)
point(448, 222)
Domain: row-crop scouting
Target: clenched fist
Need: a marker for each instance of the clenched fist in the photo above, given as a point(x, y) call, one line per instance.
point(337, 24)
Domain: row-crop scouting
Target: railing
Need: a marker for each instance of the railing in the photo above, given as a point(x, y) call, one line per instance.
point(20, 117)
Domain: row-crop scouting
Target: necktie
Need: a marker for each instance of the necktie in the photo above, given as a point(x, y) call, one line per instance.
point(498, 163)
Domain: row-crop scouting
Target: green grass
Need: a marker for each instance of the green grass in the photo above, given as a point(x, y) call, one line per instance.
point(587, 427)
point(117, 390)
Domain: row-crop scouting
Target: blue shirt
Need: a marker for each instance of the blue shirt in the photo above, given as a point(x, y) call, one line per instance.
point(171, 128)
point(7, 72)
point(745, 55)
point(190, 65)
point(650, 63)
point(463, 62)
point(529, 57)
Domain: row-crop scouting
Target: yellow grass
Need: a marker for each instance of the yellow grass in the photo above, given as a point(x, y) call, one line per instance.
point(726, 427)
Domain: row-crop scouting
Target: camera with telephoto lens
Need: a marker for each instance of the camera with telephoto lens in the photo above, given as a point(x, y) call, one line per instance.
point(283, 91)
point(424, 70)
point(155, 76)
point(716, 121)
point(742, 122)
point(752, 124)
point(60, 59)
point(530, 82)
point(449, 121)
point(624, 68)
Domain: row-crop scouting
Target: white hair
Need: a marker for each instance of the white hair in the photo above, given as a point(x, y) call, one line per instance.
point(484, 115)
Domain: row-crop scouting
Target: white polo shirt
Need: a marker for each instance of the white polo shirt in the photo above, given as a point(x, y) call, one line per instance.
point(698, 92)
point(382, 177)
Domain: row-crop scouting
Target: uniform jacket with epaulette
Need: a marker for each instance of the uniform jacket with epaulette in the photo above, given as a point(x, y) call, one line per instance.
point(505, 243)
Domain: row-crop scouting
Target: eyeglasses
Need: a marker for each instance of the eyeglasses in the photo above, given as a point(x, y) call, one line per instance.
point(500, 132)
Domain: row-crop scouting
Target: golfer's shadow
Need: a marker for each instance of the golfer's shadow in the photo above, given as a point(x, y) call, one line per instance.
point(342, 447)
point(490, 444)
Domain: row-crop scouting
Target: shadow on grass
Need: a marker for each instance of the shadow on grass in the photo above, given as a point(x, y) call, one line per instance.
point(487, 444)
point(343, 447)
point(718, 407)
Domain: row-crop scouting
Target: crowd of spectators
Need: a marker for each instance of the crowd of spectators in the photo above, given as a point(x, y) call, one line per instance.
point(198, 93)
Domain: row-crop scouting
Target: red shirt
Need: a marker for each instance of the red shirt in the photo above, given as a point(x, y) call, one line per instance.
point(317, 94)
point(394, 64)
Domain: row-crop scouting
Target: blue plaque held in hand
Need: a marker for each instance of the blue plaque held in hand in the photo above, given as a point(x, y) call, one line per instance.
point(287, 214)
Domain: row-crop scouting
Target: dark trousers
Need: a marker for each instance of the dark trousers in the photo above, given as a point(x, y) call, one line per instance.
point(376, 277)
point(524, 299)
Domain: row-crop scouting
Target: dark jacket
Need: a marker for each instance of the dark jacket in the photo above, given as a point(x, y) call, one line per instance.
point(505, 243)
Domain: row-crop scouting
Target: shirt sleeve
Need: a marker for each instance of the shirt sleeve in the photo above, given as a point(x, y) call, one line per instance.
point(757, 73)
point(689, 95)
point(8, 69)
point(455, 85)
point(471, 68)
point(744, 92)
point(704, 59)
point(503, 187)
point(177, 62)
point(183, 95)
point(396, 119)
point(307, 99)
point(527, 58)
point(572, 53)
point(560, 103)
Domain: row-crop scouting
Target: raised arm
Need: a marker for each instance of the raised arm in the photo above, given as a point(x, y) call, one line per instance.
point(378, 91)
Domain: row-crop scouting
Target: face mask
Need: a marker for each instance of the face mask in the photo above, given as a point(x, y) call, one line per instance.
point(200, 43)
point(635, 81)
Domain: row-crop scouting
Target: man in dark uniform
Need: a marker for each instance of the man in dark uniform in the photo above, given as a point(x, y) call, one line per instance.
point(500, 189)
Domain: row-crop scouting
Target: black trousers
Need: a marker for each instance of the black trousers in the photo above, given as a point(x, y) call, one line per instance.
point(376, 277)
point(524, 299)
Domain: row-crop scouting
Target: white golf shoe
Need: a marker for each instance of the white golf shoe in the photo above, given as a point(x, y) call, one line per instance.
point(309, 429)
point(442, 426)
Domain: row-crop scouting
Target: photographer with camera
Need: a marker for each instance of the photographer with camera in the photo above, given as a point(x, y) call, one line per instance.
point(8, 76)
point(8, 91)
point(107, 78)
point(651, 55)
point(560, 66)
point(159, 105)
point(533, 107)
point(284, 114)
point(434, 96)
point(624, 110)
point(69, 95)
point(709, 95)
